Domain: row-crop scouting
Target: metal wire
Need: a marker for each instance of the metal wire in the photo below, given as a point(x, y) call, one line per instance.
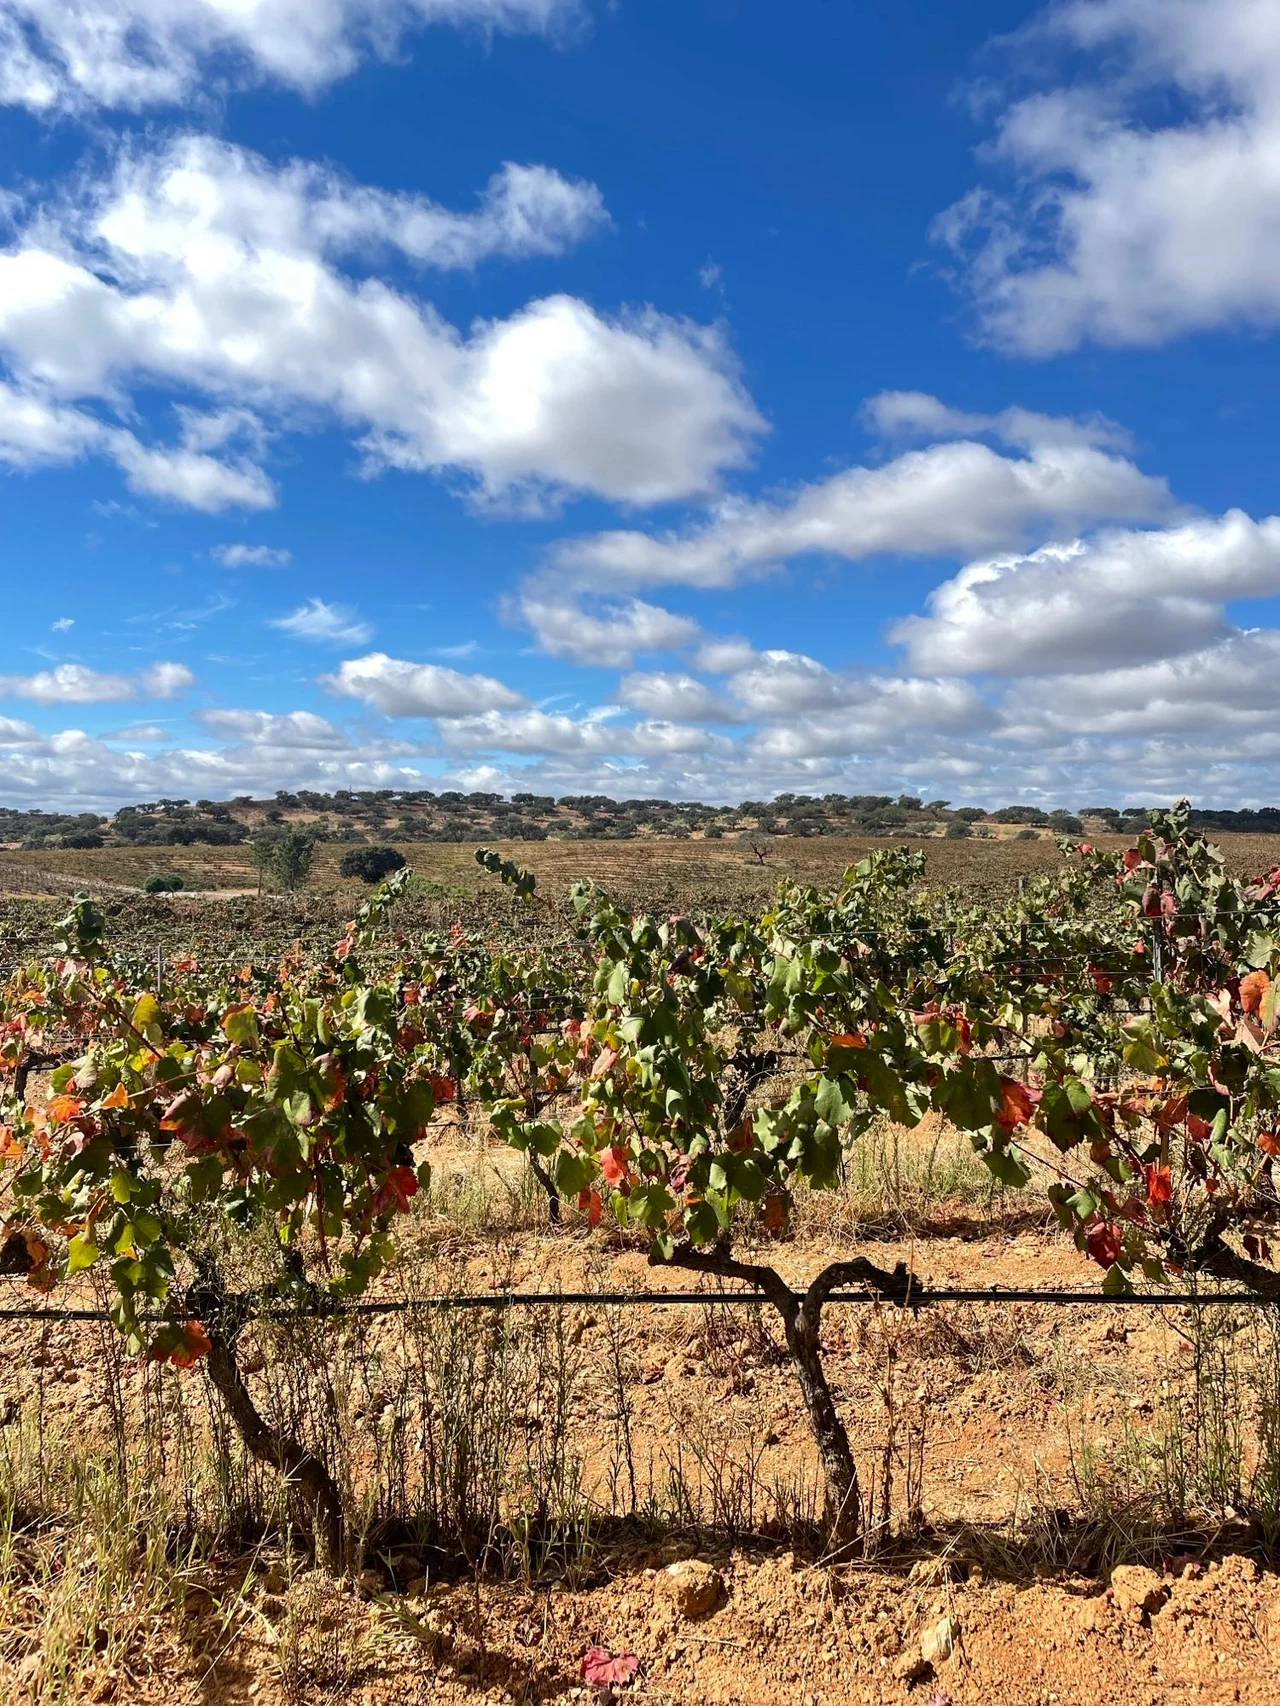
point(549, 1299)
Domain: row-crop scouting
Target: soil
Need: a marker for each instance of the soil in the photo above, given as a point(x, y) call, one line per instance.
point(999, 1397)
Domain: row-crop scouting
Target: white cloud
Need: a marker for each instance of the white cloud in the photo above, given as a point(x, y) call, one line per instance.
point(1139, 199)
point(676, 698)
point(399, 688)
point(294, 729)
point(133, 54)
point(1122, 598)
point(540, 732)
point(917, 414)
point(63, 624)
point(1233, 684)
point(252, 556)
point(76, 684)
point(327, 624)
point(609, 639)
point(949, 499)
point(165, 680)
point(201, 266)
point(38, 431)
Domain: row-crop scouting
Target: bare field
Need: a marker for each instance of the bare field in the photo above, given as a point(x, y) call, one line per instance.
point(688, 873)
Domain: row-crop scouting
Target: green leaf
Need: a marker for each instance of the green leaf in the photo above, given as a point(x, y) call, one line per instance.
point(82, 1252)
point(702, 1223)
point(240, 1024)
point(1010, 1169)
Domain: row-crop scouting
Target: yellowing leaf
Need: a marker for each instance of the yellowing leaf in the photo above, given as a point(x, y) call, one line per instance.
point(82, 1252)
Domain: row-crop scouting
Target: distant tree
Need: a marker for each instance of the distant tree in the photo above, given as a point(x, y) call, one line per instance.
point(1026, 835)
point(371, 864)
point(163, 883)
point(283, 858)
point(1020, 814)
point(959, 830)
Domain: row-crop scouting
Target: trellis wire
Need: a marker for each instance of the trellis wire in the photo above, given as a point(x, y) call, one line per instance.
point(912, 1299)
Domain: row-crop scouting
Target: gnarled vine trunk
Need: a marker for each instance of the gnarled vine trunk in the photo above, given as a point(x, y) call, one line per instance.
point(801, 1314)
point(223, 1319)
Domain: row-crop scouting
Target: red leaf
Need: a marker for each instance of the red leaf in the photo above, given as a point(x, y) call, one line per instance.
point(1103, 1242)
point(184, 1347)
point(615, 1164)
point(602, 1669)
point(850, 1039)
point(1197, 1129)
point(1101, 982)
point(590, 1202)
point(1159, 1184)
point(774, 1214)
point(1132, 859)
point(1269, 1142)
point(1253, 989)
point(1017, 1104)
point(401, 1184)
point(443, 1088)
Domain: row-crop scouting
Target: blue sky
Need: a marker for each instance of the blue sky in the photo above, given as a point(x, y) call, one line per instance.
point(700, 400)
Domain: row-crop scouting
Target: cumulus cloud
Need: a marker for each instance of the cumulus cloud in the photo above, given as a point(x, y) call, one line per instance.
point(676, 697)
point(609, 637)
point(199, 265)
point(399, 688)
point(1122, 598)
point(303, 730)
point(326, 624)
point(539, 732)
point(1139, 198)
point(948, 499)
point(36, 431)
point(76, 684)
point(252, 556)
point(67, 55)
point(1233, 684)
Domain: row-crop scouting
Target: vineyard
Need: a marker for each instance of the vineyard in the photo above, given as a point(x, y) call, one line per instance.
point(510, 1255)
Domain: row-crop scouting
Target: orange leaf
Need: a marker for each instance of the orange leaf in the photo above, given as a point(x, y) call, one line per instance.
point(590, 1202)
point(1253, 989)
point(850, 1039)
point(61, 1110)
point(1017, 1104)
point(119, 1098)
point(1269, 1142)
point(443, 1088)
point(1159, 1184)
point(615, 1164)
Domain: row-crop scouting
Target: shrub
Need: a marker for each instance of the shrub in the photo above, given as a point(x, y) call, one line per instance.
point(371, 864)
point(284, 858)
point(162, 883)
point(1026, 835)
point(959, 830)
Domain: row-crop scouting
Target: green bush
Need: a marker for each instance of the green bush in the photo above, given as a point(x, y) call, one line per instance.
point(371, 864)
point(162, 883)
point(959, 830)
point(1026, 835)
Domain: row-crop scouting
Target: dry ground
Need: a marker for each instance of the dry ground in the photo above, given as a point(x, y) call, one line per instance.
point(1003, 1425)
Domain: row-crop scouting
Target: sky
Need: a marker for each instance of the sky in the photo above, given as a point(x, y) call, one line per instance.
point(681, 398)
